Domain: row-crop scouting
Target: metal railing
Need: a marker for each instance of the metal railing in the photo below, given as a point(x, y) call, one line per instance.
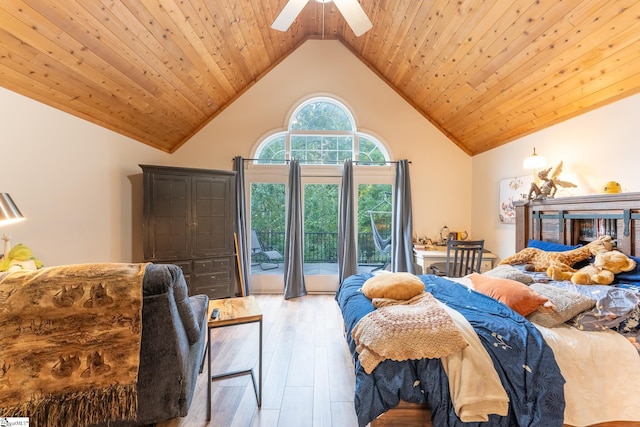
point(322, 247)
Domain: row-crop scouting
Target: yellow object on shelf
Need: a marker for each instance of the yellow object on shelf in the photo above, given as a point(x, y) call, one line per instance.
point(612, 187)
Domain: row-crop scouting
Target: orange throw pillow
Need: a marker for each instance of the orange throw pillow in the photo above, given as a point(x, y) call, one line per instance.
point(518, 296)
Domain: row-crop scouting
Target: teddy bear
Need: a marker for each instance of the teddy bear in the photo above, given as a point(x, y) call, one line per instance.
point(600, 272)
point(20, 257)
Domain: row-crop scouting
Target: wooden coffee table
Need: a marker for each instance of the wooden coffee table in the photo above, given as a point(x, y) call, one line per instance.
point(234, 311)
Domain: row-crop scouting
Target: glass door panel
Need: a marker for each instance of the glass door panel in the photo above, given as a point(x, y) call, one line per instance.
point(375, 213)
point(321, 229)
point(267, 234)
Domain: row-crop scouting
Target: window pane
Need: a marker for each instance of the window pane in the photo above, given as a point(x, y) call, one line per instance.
point(369, 152)
point(273, 151)
point(321, 150)
point(374, 225)
point(268, 222)
point(321, 115)
point(320, 229)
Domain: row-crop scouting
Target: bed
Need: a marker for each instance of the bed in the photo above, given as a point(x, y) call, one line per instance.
point(552, 376)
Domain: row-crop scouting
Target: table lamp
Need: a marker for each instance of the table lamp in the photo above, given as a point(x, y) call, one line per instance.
point(9, 213)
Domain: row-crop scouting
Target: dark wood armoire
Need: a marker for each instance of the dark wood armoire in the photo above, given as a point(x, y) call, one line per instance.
point(189, 220)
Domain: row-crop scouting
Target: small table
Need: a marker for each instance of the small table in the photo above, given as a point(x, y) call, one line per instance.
point(234, 311)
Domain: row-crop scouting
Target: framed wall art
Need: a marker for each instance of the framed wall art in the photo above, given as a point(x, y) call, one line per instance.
point(512, 190)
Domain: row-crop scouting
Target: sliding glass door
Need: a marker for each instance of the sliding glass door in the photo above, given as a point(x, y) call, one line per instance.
point(267, 200)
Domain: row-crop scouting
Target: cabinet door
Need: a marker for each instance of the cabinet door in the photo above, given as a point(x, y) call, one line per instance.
point(213, 215)
point(168, 216)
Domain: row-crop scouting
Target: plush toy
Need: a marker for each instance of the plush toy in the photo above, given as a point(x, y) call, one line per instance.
point(20, 257)
point(600, 272)
point(539, 260)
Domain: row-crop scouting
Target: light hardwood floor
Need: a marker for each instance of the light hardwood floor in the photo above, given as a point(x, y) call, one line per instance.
point(308, 374)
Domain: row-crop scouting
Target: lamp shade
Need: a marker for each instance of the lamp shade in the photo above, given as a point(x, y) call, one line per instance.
point(534, 161)
point(9, 212)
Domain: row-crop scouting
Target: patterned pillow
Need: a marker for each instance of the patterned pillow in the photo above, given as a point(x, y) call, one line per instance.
point(510, 272)
point(565, 305)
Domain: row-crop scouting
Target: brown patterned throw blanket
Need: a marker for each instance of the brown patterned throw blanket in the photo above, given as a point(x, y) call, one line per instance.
point(402, 330)
point(70, 343)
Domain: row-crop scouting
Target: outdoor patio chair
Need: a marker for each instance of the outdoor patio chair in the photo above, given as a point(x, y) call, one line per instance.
point(266, 259)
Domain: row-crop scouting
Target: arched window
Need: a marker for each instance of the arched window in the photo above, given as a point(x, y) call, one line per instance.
point(321, 131)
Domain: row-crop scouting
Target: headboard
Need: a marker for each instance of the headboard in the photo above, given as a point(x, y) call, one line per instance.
point(573, 220)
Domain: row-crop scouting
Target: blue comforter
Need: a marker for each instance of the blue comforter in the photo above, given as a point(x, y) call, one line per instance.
point(522, 359)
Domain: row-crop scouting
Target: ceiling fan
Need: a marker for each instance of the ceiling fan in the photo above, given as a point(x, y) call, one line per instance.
point(350, 10)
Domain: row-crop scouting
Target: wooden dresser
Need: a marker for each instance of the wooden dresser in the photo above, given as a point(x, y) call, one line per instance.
point(189, 220)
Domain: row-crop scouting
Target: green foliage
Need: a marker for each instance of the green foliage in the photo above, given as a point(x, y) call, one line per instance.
point(321, 115)
point(268, 216)
point(321, 208)
point(268, 207)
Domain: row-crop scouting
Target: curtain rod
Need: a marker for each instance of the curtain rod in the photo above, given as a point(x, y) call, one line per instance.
point(336, 163)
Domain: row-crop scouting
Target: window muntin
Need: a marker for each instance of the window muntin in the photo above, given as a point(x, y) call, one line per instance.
point(321, 131)
point(321, 149)
point(273, 150)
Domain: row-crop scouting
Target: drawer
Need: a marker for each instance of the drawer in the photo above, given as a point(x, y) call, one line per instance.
point(202, 265)
point(219, 289)
point(211, 264)
point(214, 276)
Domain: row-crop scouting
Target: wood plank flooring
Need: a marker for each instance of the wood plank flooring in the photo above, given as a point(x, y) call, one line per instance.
point(308, 374)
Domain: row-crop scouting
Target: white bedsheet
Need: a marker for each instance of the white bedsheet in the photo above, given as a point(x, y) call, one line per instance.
point(475, 387)
point(602, 373)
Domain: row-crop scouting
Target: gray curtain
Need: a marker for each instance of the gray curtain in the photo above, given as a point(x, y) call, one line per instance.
point(294, 244)
point(402, 232)
point(241, 222)
point(347, 232)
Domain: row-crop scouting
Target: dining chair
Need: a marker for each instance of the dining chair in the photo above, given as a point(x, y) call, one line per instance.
point(463, 257)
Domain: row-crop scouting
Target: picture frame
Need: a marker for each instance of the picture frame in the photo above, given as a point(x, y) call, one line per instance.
point(512, 190)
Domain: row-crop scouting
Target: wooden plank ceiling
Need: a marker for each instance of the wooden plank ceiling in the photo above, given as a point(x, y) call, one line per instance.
point(484, 72)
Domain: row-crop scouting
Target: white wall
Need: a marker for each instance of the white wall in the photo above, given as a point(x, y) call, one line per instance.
point(72, 180)
point(596, 147)
point(326, 67)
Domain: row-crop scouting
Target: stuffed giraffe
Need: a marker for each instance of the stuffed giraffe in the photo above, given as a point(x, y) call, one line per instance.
point(541, 260)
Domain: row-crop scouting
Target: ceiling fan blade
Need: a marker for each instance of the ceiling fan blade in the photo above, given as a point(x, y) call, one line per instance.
point(289, 13)
point(354, 15)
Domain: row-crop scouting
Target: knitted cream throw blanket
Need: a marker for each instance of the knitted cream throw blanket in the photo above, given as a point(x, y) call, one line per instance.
point(402, 330)
point(70, 343)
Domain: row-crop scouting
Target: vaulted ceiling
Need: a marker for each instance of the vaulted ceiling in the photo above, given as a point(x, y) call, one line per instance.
point(484, 72)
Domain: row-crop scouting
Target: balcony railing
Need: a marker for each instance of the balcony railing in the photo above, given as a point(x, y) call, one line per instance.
point(321, 247)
